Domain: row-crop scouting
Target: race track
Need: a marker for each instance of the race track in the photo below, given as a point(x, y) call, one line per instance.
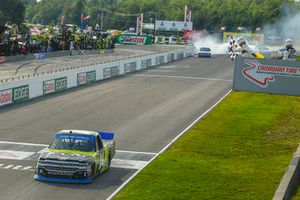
point(146, 110)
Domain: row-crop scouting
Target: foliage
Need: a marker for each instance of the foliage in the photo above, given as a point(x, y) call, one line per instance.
point(238, 151)
point(11, 11)
point(210, 15)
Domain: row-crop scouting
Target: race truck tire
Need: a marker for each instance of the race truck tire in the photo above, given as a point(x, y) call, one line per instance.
point(109, 161)
point(93, 171)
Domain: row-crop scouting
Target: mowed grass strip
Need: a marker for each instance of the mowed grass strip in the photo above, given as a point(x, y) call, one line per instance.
point(238, 151)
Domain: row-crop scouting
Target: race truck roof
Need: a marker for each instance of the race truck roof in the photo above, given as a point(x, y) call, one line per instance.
point(81, 132)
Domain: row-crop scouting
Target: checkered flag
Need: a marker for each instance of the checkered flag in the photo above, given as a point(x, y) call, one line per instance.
point(231, 47)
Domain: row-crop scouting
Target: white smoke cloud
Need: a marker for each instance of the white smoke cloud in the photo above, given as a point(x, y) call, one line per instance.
point(287, 26)
point(211, 42)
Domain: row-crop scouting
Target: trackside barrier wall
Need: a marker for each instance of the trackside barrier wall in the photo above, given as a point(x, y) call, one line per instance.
point(267, 76)
point(39, 85)
point(290, 180)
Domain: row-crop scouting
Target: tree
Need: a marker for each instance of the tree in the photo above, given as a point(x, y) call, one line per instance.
point(12, 11)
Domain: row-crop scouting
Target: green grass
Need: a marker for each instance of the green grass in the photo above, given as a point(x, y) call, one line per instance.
point(298, 58)
point(238, 151)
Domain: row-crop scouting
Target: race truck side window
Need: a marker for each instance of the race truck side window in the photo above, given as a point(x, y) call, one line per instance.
point(99, 142)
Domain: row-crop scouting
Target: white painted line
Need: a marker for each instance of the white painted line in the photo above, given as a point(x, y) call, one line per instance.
point(27, 168)
point(8, 166)
point(21, 143)
point(161, 70)
point(167, 146)
point(17, 167)
point(136, 152)
point(128, 164)
point(46, 147)
point(14, 155)
point(168, 67)
point(42, 151)
point(183, 77)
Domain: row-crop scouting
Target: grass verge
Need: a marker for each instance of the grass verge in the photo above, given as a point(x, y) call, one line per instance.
point(238, 151)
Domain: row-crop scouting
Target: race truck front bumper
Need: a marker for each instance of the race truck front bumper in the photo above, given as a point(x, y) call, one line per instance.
point(63, 171)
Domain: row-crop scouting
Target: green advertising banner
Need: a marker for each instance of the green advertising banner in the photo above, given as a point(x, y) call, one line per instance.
point(20, 93)
point(86, 78)
point(133, 39)
point(55, 85)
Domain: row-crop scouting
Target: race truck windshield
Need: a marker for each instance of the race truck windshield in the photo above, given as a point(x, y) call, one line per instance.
point(76, 142)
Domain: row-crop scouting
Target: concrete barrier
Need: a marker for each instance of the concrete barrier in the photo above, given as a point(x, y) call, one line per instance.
point(290, 180)
point(23, 88)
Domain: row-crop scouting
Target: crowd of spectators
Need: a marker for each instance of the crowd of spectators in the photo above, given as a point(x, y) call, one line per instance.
point(12, 46)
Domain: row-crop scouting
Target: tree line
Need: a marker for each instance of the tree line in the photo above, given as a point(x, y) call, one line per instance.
point(121, 14)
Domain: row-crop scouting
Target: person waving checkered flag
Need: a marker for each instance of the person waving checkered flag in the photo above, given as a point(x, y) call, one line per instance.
point(231, 47)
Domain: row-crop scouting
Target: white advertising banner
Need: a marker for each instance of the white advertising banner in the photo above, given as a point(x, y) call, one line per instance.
point(6, 97)
point(161, 25)
point(139, 25)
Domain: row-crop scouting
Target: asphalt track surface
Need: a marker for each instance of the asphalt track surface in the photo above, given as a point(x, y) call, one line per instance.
point(146, 110)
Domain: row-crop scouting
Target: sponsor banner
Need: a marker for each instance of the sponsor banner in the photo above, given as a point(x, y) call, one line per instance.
point(190, 35)
point(115, 71)
point(148, 26)
point(171, 57)
point(180, 55)
point(267, 76)
point(49, 86)
point(159, 60)
point(2, 59)
point(111, 72)
point(14, 95)
point(139, 24)
point(55, 85)
point(106, 73)
point(133, 39)
point(146, 63)
point(189, 53)
point(20, 93)
point(251, 38)
point(6, 97)
point(130, 67)
point(86, 78)
point(161, 25)
point(187, 14)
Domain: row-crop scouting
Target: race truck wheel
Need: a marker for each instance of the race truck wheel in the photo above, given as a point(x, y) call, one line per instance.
point(92, 171)
point(109, 161)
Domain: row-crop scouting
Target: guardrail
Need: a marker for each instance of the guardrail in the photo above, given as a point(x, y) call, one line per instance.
point(25, 87)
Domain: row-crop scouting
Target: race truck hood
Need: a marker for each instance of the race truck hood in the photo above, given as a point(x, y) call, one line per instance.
point(67, 155)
